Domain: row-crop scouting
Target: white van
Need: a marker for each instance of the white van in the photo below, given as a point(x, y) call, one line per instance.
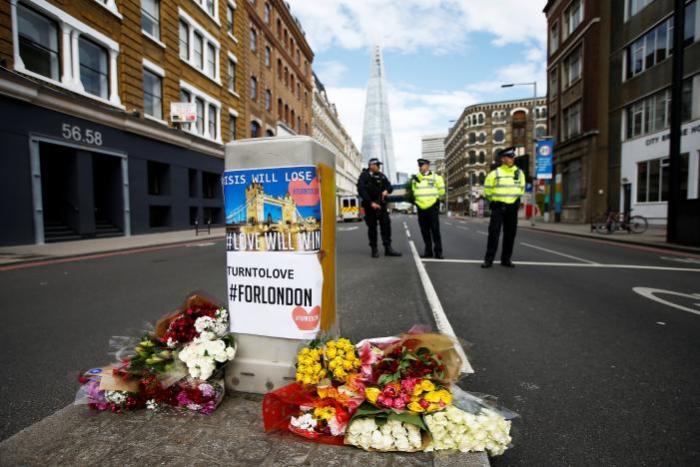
point(350, 209)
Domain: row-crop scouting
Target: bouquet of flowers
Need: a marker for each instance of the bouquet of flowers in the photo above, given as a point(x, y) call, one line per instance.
point(456, 429)
point(392, 435)
point(179, 365)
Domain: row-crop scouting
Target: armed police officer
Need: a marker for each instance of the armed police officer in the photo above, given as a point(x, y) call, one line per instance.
point(503, 187)
point(426, 189)
point(374, 188)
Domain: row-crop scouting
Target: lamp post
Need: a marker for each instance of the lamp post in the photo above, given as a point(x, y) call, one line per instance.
point(534, 144)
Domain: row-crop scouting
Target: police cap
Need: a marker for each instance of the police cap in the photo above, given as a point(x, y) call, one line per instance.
point(507, 152)
point(374, 160)
point(423, 161)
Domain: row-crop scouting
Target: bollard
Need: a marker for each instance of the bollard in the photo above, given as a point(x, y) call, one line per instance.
point(209, 226)
point(279, 197)
point(196, 227)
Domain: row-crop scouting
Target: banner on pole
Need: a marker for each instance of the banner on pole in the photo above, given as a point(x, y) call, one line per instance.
point(543, 161)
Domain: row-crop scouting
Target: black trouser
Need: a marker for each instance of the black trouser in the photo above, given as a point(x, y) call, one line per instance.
point(429, 221)
point(372, 216)
point(505, 215)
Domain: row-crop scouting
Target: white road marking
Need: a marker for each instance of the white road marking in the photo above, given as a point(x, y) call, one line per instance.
point(547, 250)
point(681, 260)
point(448, 223)
point(571, 265)
point(462, 228)
point(650, 293)
point(441, 320)
point(408, 233)
point(347, 229)
point(190, 245)
point(481, 232)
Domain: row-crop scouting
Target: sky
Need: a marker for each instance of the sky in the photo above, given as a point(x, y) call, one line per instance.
point(440, 56)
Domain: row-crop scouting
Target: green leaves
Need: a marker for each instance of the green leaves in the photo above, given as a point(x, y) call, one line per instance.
point(381, 416)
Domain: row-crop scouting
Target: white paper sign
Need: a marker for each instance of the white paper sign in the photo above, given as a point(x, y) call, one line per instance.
point(274, 294)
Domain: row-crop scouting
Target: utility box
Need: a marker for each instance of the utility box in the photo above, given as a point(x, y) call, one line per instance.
point(279, 196)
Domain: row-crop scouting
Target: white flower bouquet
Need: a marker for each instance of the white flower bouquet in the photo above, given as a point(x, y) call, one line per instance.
point(454, 428)
point(372, 434)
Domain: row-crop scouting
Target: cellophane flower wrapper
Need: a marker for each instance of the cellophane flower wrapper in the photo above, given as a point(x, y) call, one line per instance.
point(474, 403)
point(200, 396)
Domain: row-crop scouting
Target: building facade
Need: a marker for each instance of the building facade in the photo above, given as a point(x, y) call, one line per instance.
point(640, 80)
point(278, 71)
point(433, 147)
point(578, 56)
point(87, 88)
point(329, 130)
point(481, 131)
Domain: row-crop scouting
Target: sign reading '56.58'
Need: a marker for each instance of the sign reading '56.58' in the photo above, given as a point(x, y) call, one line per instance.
point(81, 135)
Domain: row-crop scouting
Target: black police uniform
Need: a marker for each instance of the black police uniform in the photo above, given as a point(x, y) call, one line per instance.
point(370, 187)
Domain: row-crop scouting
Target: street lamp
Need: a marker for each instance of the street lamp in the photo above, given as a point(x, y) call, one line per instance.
point(534, 149)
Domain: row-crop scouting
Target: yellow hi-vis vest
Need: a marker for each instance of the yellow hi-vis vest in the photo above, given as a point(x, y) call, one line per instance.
point(427, 189)
point(505, 184)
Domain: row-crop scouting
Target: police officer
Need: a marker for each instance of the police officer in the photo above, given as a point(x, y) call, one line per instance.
point(374, 188)
point(503, 187)
point(427, 188)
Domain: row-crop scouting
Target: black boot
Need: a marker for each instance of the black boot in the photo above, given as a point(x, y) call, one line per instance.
point(486, 264)
point(427, 254)
point(389, 251)
point(375, 252)
point(439, 256)
point(507, 264)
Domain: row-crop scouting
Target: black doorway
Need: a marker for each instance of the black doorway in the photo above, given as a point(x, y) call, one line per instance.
point(59, 193)
point(108, 195)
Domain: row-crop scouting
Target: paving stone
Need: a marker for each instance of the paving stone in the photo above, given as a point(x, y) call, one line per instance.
point(233, 435)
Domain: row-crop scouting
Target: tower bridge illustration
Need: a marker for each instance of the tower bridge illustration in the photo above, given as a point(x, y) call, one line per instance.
point(264, 214)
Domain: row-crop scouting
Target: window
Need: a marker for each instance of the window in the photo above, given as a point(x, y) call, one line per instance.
point(554, 38)
point(650, 49)
point(653, 179)
point(232, 122)
point(268, 56)
point(198, 47)
point(482, 138)
point(210, 7)
point(573, 16)
point(653, 113)
point(152, 94)
point(253, 40)
point(254, 129)
point(540, 132)
point(499, 116)
point(482, 157)
point(38, 43)
point(211, 60)
point(499, 136)
point(689, 29)
point(266, 13)
point(472, 157)
point(572, 67)
point(198, 50)
point(572, 120)
point(230, 19)
point(472, 138)
point(93, 68)
point(199, 103)
point(212, 122)
point(150, 17)
point(253, 88)
point(553, 82)
point(158, 178)
point(482, 118)
point(268, 100)
point(231, 75)
point(635, 6)
point(482, 178)
point(184, 40)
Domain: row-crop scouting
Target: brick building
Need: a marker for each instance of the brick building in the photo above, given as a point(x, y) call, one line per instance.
point(481, 131)
point(280, 81)
point(86, 89)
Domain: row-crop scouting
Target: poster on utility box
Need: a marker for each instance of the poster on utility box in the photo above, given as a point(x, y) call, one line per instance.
point(273, 235)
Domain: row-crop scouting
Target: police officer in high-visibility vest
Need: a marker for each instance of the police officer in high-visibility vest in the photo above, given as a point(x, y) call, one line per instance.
point(503, 187)
point(426, 189)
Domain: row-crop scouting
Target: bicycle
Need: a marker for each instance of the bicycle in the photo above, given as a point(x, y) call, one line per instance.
point(614, 221)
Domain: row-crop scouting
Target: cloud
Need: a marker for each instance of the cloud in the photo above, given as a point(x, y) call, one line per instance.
point(330, 72)
point(441, 26)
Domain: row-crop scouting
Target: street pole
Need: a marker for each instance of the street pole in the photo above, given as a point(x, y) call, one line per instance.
point(674, 165)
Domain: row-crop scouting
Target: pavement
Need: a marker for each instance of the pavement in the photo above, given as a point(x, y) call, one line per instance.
point(655, 236)
point(77, 304)
point(50, 251)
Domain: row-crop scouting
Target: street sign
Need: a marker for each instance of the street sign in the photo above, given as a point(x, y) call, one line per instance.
point(183, 112)
point(543, 161)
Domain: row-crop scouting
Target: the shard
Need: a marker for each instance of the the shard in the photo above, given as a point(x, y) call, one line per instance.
point(377, 140)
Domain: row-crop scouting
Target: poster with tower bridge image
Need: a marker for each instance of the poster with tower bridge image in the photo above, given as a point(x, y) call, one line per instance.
point(276, 209)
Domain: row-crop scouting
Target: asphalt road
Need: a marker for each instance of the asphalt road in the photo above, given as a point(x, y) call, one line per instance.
point(600, 374)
